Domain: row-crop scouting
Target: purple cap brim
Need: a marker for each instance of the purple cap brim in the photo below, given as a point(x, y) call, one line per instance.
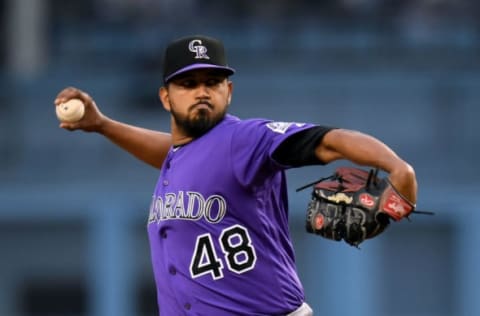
point(199, 66)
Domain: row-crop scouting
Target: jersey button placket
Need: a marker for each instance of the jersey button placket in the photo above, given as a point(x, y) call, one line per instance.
point(187, 306)
point(172, 270)
point(167, 167)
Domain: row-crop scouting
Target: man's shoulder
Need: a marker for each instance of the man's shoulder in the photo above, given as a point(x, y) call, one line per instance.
point(264, 125)
point(235, 121)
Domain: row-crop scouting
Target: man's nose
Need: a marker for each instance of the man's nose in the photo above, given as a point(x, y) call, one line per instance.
point(203, 91)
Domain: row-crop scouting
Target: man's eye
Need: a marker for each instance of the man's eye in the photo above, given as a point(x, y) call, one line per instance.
point(188, 83)
point(213, 81)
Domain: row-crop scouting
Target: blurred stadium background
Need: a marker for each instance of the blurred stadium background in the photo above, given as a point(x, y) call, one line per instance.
point(73, 207)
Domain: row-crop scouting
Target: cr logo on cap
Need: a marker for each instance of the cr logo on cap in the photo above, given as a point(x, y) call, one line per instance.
point(196, 47)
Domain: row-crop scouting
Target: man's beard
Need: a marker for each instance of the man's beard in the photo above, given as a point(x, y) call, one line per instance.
point(200, 124)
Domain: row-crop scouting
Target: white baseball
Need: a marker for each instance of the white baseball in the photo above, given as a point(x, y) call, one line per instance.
point(70, 111)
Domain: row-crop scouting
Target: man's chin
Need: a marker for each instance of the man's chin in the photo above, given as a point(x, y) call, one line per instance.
point(200, 123)
point(200, 126)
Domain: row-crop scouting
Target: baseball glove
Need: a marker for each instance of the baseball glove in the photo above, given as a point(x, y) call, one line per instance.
point(354, 205)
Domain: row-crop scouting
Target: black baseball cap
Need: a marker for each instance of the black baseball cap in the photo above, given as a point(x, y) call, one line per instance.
point(194, 52)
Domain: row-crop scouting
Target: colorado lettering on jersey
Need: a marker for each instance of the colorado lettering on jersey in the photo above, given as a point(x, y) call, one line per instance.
point(188, 206)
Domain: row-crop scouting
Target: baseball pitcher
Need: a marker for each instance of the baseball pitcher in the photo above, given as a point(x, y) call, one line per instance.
point(218, 218)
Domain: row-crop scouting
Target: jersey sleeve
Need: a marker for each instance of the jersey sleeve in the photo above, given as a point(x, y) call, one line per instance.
point(299, 149)
point(254, 143)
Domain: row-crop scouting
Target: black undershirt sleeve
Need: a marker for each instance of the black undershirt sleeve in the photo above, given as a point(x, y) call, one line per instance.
point(299, 149)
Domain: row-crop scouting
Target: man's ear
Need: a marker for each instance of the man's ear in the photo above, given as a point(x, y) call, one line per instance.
point(163, 96)
point(230, 91)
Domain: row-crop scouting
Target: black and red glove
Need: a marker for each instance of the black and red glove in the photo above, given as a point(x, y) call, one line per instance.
point(354, 205)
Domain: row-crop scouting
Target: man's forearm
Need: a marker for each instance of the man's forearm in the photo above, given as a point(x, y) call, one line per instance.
point(363, 149)
point(147, 145)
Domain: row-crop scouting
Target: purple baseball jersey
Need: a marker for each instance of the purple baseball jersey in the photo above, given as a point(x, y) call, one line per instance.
point(218, 224)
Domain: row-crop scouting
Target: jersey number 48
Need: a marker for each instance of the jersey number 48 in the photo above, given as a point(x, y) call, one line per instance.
point(238, 252)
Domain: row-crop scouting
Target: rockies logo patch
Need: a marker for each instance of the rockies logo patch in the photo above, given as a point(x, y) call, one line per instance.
point(282, 127)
